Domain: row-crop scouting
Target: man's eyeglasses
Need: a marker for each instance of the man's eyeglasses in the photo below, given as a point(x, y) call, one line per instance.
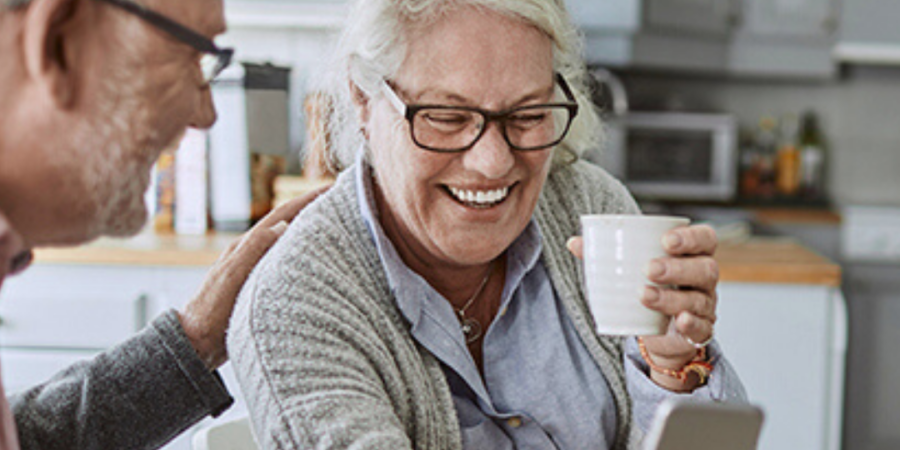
point(214, 59)
point(450, 129)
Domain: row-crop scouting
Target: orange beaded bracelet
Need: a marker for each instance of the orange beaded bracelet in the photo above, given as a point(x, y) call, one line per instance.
point(698, 365)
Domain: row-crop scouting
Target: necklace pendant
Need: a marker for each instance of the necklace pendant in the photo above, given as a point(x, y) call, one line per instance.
point(471, 329)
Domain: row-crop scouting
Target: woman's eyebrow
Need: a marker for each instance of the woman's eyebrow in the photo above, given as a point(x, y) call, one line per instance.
point(445, 95)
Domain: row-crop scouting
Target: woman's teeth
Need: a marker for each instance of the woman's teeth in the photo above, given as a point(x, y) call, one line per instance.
point(480, 198)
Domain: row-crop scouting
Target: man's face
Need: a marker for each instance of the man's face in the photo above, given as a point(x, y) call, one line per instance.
point(148, 89)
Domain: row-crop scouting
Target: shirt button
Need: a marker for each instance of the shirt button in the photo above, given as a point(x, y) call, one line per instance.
point(514, 422)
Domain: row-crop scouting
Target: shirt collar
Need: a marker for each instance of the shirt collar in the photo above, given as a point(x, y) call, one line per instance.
point(409, 288)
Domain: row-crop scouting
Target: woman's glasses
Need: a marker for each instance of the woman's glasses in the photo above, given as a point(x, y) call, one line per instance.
point(449, 129)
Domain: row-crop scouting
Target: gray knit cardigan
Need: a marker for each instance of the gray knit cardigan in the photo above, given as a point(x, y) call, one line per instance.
point(326, 360)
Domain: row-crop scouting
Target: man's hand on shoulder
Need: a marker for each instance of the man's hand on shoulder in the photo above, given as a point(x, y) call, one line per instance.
point(205, 318)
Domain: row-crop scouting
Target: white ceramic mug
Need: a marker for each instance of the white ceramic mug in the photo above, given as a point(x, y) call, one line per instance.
point(617, 249)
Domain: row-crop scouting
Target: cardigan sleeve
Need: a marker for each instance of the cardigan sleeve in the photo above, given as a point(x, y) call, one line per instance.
point(137, 395)
point(309, 366)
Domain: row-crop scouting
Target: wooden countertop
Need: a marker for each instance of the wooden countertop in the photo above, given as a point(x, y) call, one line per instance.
point(796, 216)
point(775, 260)
point(759, 260)
point(146, 249)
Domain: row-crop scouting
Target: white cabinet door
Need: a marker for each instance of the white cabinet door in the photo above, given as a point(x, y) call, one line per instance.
point(798, 19)
point(74, 307)
point(788, 344)
point(55, 315)
point(711, 17)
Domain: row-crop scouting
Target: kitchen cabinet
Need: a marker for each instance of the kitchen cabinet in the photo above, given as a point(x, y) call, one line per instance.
point(781, 322)
point(773, 38)
point(788, 343)
point(708, 17)
point(814, 20)
point(870, 244)
point(869, 32)
point(74, 303)
point(607, 27)
point(785, 38)
point(689, 35)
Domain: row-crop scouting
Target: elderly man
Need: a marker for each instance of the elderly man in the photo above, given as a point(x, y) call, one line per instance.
point(90, 92)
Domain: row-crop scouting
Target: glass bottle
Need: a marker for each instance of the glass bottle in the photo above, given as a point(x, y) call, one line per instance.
point(766, 143)
point(812, 157)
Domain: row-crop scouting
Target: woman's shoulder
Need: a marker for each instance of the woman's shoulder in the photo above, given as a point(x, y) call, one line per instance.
point(328, 241)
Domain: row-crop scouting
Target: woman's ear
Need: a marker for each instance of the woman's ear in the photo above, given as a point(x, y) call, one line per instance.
point(360, 104)
point(48, 40)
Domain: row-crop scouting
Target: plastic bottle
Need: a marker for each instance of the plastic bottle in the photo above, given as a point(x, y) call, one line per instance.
point(788, 164)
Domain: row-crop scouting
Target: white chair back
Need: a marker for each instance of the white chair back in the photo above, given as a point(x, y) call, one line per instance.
point(232, 435)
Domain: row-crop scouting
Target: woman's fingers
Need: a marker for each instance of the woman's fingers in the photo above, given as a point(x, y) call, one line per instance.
point(698, 272)
point(695, 330)
point(673, 302)
point(692, 240)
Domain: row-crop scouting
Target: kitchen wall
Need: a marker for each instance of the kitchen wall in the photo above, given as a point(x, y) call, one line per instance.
point(859, 114)
point(858, 111)
point(304, 50)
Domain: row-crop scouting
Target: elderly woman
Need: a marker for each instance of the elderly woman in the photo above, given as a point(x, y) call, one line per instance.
point(428, 300)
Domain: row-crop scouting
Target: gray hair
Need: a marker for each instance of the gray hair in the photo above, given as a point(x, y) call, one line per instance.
point(373, 47)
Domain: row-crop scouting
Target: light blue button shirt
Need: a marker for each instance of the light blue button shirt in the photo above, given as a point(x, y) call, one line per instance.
point(541, 388)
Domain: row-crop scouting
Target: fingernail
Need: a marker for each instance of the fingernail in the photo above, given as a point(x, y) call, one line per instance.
point(672, 241)
point(279, 228)
point(650, 295)
point(654, 269)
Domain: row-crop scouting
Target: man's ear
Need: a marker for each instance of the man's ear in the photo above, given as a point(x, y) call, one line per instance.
point(47, 51)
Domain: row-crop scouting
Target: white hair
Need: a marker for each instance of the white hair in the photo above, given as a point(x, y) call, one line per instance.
point(374, 45)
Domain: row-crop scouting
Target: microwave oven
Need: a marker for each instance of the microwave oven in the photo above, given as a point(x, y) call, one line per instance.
point(674, 156)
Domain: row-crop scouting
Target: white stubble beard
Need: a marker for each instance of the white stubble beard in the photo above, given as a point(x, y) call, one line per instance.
point(114, 171)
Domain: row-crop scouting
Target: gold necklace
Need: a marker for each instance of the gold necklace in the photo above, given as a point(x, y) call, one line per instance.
point(471, 328)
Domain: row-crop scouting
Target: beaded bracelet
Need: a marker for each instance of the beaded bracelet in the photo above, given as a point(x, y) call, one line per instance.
point(698, 365)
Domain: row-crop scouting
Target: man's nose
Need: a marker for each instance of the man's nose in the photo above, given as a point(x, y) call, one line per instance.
point(491, 155)
point(205, 112)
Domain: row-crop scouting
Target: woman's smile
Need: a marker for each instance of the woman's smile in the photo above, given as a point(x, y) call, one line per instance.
point(479, 198)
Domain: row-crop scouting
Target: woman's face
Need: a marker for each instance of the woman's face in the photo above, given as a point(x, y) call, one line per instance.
point(461, 209)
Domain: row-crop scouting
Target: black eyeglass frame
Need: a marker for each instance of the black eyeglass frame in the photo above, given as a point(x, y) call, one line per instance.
point(409, 112)
point(180, 32)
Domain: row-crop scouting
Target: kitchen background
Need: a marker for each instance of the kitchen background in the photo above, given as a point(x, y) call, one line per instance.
point(747, 59)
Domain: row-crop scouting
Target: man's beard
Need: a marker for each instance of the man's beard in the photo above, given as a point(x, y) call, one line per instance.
point(113, 170)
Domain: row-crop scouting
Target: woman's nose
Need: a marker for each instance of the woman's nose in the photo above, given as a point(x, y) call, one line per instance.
point(491, 155)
